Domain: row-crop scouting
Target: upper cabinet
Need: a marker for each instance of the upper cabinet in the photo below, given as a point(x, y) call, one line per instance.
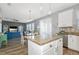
point(67, 18)
point(77, 16)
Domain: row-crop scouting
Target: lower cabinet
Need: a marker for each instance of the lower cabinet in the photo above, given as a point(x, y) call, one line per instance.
point(73, 42)
point(49, 51)
point(52, 48)
point(56, 48)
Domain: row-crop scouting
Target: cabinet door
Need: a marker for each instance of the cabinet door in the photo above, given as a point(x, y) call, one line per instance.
point(65, 18)
point(76, 43)
point(59, 47)
point(50, 51)
point(70, 41)
point(56, 48)
point(73, 42)
point(33, 48)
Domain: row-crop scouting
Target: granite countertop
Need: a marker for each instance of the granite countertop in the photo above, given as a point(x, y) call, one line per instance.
point(71, 33)
point(44, 41)
point(39, 41)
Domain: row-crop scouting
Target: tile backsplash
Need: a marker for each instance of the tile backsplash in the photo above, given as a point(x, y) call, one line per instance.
point(69, 29)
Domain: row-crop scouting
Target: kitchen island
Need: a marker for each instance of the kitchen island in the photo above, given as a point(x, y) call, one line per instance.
point(51, 46)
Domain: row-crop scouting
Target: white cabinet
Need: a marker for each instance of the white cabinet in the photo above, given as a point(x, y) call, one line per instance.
point(77, 16)
point(52, 48)
point(66, 18)
point(77, 43)
point(55, 48)
point(73, 42)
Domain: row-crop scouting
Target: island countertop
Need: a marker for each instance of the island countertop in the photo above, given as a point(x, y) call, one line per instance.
point(44, 41)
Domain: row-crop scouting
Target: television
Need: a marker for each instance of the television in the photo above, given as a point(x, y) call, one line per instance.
point(13, 29)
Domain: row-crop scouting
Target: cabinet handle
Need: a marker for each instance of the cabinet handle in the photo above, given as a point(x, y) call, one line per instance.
point(50, 45)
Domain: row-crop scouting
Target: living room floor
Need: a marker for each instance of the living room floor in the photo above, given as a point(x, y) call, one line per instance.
point(15, 48)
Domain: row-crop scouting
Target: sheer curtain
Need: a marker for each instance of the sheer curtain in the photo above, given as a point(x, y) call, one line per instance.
point(46, 28)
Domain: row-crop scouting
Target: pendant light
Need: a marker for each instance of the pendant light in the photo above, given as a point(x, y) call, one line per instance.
point(41, 9)
point(50, 9)
point(30, 14)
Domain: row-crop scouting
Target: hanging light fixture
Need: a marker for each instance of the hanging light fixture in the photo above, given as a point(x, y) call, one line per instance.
point(41, 9)
point(50, 8)
point(30, 14)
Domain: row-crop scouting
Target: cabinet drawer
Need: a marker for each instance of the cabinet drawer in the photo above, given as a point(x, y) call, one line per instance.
point(48, 52)
point(56, 49)
point(48, 46)
point(52, 44)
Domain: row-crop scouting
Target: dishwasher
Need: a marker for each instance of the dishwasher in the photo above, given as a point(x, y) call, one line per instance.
point(65, 41)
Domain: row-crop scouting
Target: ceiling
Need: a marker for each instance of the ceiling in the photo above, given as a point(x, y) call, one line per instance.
point(25, 12)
